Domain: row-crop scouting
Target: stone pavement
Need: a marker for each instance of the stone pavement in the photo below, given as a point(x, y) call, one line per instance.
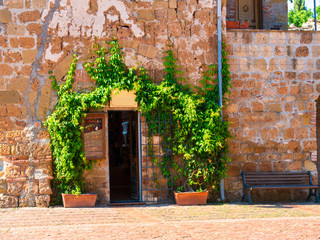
point(225, 221)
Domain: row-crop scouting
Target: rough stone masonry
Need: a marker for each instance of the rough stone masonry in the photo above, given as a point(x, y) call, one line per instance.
point(274, 78)
point(41, 35)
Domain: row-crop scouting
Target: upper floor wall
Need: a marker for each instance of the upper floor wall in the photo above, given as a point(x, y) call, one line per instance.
point(261, 14)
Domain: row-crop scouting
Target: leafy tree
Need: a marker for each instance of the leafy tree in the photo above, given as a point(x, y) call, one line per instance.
point(299, 5)
point(299, 17)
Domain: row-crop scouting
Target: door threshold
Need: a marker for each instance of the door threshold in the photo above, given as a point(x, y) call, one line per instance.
point(126, 203)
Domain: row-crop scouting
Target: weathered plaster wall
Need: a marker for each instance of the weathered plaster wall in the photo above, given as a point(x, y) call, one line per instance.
point(40, 35)
point(275, 78)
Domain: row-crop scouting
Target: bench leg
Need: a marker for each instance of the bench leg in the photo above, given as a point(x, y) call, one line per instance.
point(249, 197)
point(243, 198)
point(316, 195)
point(310, 194)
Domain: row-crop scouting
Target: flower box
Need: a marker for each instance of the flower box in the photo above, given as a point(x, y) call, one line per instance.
point(82, 200)
point(191, 198)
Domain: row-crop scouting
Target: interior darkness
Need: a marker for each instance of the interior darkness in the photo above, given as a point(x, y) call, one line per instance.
point(123, 156)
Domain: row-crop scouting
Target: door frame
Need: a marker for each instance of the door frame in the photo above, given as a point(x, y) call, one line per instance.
point(107, 109)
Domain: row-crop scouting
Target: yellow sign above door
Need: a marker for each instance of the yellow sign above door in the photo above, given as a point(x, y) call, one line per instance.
point(123, 98)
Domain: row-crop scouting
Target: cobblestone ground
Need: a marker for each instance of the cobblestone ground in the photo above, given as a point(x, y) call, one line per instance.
point(226, 221)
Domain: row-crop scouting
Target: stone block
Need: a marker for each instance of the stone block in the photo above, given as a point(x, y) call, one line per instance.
point(146, 14)
point(5, 149)
point(41, 150)
point(34, 28)
point(161, 14)
point(160, 4)
point(148, 50)
point(8, 201)
point(15, 29)
point(315, 51)
point(5, 16)
point(302, 51)
point(27, 42)
point(279, 166)
point(172, 15)
point(173, 4)
point(232, 108)
point(260, 64)
point(5, 69)
point(266, 51)
point(294, 146)
point(19, 83)
point(61, 69)
point(15, 188)
point(265, 167)
point(247, 37)
point(306, 38)
point(233, 171)
point(241, 51)
point(9, 97)
point(23, 149)
point(275, 107)
point(44, 101)
point(261, 38)
point(245, 64)
point(6, 124)
point(295, 166)
point(28, 56)
point(310, 145)
point(310, 166)
point(13, 3)
point(39, 4)
point(12, 57)
point(44, 186)
point(253, 51)
point(288, 133)
point(306, 119)
point(249, 167)
point(257, 107)
point(43, 201)
point(278, 37)
point(29, 16)
point(175, 29)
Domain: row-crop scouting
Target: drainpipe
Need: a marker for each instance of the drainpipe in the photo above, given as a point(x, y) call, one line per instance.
point(315, 14)
point(219, 32)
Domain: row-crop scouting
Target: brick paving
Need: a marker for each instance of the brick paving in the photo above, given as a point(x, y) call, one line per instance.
point(226, 221)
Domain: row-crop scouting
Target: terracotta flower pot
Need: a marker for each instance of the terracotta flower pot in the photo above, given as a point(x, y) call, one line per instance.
point(191, 198)
point(233, 24)
point(237, 24)
point(82, 200)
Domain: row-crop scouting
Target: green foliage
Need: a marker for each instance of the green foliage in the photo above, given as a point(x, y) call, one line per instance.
point(299, 17)
point(299, 5)
point(199, 135)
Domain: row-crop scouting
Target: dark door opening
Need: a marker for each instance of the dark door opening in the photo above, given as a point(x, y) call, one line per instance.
point(123, 156)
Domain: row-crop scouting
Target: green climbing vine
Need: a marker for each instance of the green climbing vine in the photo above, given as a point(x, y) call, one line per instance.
point(199, 135)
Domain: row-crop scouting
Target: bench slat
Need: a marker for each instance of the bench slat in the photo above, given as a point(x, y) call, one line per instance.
point(277, 180)
point(284, 187)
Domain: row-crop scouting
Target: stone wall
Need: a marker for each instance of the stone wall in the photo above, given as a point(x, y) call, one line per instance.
point(41, 35)
point(276, 80)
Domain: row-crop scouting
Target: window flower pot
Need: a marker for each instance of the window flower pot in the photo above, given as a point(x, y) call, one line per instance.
point(82, 200)
point(237, 24)
point(191, 198)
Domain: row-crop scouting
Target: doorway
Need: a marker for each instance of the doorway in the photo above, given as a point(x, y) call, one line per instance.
point(123, 156)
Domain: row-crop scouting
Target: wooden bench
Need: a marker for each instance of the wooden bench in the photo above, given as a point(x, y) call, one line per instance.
point(277, 180)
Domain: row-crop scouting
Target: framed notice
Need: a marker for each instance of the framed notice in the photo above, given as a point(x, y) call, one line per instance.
point(94, 136)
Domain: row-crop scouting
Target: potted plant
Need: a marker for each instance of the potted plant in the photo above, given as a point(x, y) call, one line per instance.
point(202, 140)
point(65, 128)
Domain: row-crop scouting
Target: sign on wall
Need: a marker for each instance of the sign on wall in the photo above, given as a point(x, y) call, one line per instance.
point(94, 136)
